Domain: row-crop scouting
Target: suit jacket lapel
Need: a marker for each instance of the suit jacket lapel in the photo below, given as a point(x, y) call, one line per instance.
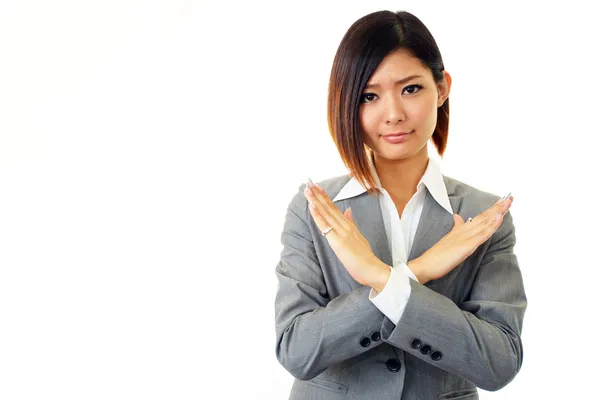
point(366, 213)
point(435, 221)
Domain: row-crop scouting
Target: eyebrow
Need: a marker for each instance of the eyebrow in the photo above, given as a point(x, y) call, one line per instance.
point(408, 78)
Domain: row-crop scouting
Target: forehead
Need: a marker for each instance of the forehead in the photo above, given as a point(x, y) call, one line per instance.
point(396, 65)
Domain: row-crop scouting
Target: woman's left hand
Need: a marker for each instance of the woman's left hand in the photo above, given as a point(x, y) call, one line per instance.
point(350, 246)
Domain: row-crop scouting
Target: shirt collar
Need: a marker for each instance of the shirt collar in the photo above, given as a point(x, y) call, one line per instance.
point(432, 179)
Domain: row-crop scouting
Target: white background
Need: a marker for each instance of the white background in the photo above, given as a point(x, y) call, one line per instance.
point(149, 149)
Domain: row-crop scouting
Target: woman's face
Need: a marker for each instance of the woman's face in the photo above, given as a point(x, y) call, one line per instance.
point(388, 106)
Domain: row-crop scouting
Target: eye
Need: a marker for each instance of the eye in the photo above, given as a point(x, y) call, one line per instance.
point(363, 98)
point(414, 86)
point(368, 97)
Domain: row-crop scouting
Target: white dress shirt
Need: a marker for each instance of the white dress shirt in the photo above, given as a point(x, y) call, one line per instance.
point(400, 233)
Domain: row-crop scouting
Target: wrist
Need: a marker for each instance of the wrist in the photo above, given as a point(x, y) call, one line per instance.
point(415, 267)
point(381, 277)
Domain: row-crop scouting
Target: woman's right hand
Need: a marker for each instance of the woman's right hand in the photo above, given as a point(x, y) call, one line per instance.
point(459, 243)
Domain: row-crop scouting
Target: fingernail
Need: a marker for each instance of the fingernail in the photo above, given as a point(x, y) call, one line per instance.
point(310, 182)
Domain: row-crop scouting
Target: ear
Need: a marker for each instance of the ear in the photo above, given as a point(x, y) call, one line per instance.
point(444, 88)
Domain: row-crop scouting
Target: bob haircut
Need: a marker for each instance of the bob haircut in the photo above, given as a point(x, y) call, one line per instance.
point(363, 47)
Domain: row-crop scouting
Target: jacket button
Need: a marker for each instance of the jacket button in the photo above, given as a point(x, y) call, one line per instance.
point(436, 355)
point(415, 344)
point(365, 342)
point(426, 349)
point(393, 364)
point(375, 336)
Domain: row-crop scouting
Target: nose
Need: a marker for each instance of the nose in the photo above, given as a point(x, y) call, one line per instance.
point(394, 111)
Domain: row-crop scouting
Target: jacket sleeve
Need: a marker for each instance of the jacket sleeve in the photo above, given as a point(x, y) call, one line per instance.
point(314, 332)
point(480, 338)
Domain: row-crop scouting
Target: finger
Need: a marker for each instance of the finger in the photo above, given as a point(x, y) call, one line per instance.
point(458, 220)
point(489, 229)
point(493, 222)
point(328, 209)
point(503, 206)
point(322, 224)
point(485, 224)
point(504, 200)
point(316, 211)
point(489, 216)
point(348, 214)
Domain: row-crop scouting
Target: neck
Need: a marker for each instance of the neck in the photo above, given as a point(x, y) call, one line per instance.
point(400, 177)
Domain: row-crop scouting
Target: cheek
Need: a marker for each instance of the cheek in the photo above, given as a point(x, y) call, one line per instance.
point(424, 113)
point(368, 119)
point(420, 110)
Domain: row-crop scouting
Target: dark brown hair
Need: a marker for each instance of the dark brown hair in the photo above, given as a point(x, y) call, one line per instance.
point(361, 50)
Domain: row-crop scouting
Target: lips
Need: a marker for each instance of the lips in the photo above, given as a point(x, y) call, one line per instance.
point(397, 134)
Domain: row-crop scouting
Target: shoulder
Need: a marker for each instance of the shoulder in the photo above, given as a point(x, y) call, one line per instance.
point(474, 201)
point(471, 196)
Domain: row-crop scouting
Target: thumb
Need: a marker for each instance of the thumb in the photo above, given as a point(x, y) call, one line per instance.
point(348, 214)
point(458, 220)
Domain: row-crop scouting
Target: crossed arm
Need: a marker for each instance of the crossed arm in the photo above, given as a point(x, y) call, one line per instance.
point(479, 338)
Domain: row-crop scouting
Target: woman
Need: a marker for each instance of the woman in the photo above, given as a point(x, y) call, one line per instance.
point(384, 291)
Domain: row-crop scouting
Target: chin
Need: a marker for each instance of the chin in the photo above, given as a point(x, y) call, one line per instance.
point(395, 155)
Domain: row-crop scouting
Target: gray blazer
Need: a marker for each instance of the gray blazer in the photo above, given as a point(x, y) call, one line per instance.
point(457, 333)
